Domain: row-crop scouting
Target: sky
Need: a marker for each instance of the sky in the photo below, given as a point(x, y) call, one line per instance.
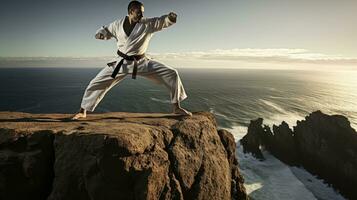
point(322, 31)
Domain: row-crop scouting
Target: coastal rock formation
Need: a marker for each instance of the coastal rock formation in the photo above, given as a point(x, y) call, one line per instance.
point(117, 156)
point(253, 140)
point(325, 145)
point(237, 188)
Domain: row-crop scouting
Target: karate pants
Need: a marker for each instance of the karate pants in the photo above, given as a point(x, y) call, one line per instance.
point(151, 69)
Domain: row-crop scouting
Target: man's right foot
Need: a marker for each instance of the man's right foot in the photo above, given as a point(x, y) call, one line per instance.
point(78, 116)
point(181, 111)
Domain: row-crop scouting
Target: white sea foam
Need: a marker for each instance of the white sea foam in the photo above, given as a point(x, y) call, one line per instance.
point(280, 114)
point(271, 179)
point(213, 111)
point(160, 100)
point(317, 186)
point(273, 105)
point(289, 117)
point(238, 132)
point(272, 89)
point(275, 97)
point(286, 98)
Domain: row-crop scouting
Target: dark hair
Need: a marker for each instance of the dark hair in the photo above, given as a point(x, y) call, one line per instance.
point(134, 4)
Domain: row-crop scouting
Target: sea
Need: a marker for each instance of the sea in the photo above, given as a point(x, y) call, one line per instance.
point(234, 96)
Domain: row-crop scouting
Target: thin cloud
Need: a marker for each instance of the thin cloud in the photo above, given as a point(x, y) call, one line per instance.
point(227, 58)
point(262, 55)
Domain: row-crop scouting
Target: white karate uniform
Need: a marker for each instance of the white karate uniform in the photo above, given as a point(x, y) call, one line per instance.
point(134, 44)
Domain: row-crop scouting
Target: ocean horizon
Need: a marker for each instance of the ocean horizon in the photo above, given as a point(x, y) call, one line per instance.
point(234, 96)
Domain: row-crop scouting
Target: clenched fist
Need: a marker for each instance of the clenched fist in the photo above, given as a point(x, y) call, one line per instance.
point(99, 36)
point(172, 16)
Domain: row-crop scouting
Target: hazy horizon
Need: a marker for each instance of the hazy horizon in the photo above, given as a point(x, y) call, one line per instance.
point(299, 59)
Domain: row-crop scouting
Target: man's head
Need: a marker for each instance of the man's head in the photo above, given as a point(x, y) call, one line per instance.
point(135, 10)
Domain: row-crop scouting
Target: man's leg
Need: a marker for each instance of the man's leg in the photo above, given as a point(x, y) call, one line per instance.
point(96, 90)
point(163, 74)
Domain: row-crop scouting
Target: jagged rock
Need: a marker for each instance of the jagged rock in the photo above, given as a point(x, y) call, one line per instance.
point(325, 145)
point(282, 144)
point(253, 140)
point(116, 156)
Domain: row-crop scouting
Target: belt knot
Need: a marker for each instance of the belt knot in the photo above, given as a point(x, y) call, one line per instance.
point(120, 63)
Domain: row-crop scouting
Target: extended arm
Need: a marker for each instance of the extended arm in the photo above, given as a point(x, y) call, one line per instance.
point(159, 23)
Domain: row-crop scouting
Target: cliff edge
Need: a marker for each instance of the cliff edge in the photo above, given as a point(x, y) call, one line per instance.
point(117, 156)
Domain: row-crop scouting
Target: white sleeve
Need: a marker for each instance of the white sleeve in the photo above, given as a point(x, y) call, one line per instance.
point(158, 23)
point(108, 31)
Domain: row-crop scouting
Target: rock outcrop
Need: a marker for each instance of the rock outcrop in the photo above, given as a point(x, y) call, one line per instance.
point(325, 145)
point(117, 156)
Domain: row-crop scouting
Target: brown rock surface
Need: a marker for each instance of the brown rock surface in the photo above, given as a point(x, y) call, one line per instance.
point(117, 156)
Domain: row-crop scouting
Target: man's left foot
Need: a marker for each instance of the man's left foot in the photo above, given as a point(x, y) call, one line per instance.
point(79, 116)
point(182, 111)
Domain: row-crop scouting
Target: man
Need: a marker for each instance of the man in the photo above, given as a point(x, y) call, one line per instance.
point(133, 34)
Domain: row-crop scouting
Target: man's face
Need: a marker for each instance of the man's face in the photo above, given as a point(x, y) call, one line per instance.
point(137, 13)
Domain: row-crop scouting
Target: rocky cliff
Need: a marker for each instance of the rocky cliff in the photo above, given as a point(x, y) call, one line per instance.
point(117, 156)
point(325, 145)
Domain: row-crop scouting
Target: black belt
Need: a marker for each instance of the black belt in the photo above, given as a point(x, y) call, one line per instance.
point(126, 57)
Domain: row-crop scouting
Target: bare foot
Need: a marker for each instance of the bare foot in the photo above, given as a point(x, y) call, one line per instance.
point(78, 116)
point(182, 111)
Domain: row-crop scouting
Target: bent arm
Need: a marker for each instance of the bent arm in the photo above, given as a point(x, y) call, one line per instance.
point(106, 32)
point(103, 34)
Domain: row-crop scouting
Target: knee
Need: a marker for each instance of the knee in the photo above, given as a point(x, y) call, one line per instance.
point(170, 72)
point(92, 83)
point(174, 72)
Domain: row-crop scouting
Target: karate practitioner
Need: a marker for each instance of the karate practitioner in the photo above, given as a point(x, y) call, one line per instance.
point(133, 34)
